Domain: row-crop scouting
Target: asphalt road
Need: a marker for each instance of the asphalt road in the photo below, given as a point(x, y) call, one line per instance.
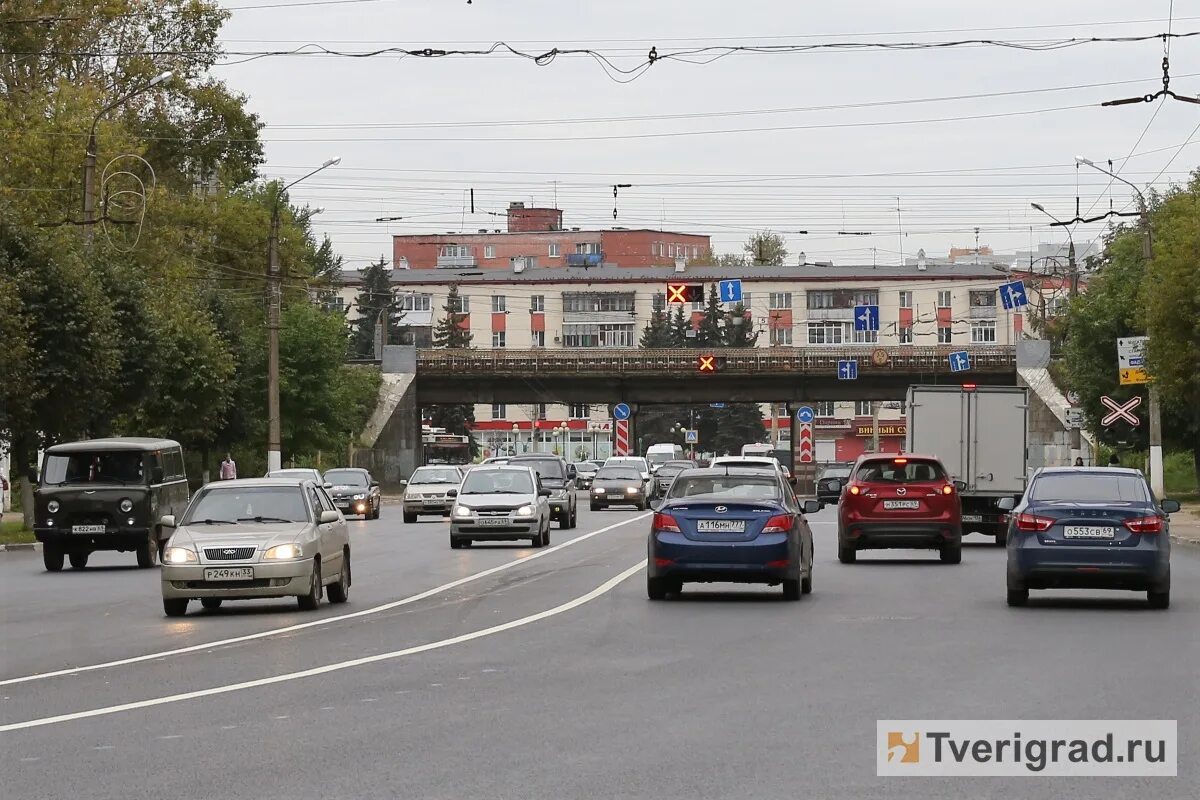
point(554, 677)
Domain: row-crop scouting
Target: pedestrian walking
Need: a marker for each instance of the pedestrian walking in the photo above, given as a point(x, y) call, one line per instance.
point(228, 468)
point(1113, 461)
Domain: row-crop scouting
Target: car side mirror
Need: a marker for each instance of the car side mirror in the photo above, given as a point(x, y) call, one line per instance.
point(452, 493)
point(1169, 506)
point(169, 520)
point(327, 486)
point(645, 476)
point(812, 506)
point(792, 481)
point(327, 517)
point(656, 503)
point(403, 482)
point(1004, 503)
point(572, 473)
point(545, 492)
point(374, 485)
point(962, 486)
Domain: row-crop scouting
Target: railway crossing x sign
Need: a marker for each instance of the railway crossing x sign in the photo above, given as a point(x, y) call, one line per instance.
point(1121, 411)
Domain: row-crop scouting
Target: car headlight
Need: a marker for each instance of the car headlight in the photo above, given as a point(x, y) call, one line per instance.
point(282, 551)
point(462, 511)
point(599, 490)
point(360, 497)
point(53, 506)
point(632, 490)
point(180, 555)
point(126, 506)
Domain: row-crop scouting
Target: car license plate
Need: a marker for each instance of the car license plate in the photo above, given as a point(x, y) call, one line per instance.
point(434, 502)
point(972, 518)
point(721, 526)
point(1088, 532)
point(493, 522)
point(901, 503)
point(87, 529)
point(229, 574)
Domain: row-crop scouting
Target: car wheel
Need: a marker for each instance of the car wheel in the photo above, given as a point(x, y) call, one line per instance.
point(409, 518)
point(574, 517)
point(339, 592)
point(546, 536)
point(1159, 599)
point(175, 606)
point(846, 553)
point(595, 507)
point(52, 558)
point(806, 581)
point(310, 601)
point(1002, 538)
point(455, 543)
point(78, 560)
point(1018, 597)
point(951, 553)
point(145, 555)
point(378, 510)
point(656, 588)
point(211, 603)
point(791, 589)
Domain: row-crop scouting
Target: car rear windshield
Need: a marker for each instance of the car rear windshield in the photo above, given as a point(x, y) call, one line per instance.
point(294, 473)
point(548, 468)
point(497, 481)
point(900, 470)
point(346, 477)
point(619, 474)
point(121, 466)
point(836, 472)
point(231, 504)
point(586, 466)
point(435, 475)
point(725, 487)
point(672, 469)
point(1085, 487)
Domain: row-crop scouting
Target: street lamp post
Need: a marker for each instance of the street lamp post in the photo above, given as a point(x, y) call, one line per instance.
point(1072, 270)
point(516, 437)
point(1155, 414)
point(89, 160)
point(274, 304)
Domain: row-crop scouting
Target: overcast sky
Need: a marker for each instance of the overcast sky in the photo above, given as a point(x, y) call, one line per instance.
point(395, 121)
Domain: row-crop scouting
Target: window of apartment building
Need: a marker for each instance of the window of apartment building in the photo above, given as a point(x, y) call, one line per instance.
point(906, 300)
point(695, 252)
point(415, 302)
point(537, 302)
point(537, 338)
point(335, 303)
point(983, 298)
point(454, 251)
point(862, 408)
point(826, 333)
point(489, 251)
point(866, 337)
point(658, 302)
point(822, 299)
point(746, 297)
point(866, 297)
point(943, 298)
point(499, 338)
point(598, 335)
point(553, 250)
point(654, 248)
point(579, 410)
point(823, 408)
point(906, 334)
point(983, 332)
point(499, 303)
point(498, 411)
point(944, 335)
point(540, 409)
point(781, 336)
point(464, 305)
point(588, 248)
point(781, 299)
point(582, 302)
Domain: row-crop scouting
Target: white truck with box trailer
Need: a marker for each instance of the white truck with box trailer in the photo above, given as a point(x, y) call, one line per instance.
point(980, 433)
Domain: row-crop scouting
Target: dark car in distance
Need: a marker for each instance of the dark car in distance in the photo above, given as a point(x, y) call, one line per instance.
point(585, 473)
point(558, 476)
point(667, 471)
point(354, 491)
point(829, 486)
point(618, 485)
point(1089, 528)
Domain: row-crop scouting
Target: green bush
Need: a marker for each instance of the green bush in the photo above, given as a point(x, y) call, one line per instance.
point(1179, 474)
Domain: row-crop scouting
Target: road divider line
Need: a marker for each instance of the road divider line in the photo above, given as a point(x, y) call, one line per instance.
point(600, 590)
point(324, 620)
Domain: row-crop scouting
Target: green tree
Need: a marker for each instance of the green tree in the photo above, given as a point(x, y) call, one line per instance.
point(450, 332)
point(681, 323)
point(739, 328)
point(657, 334)
point(711, 331)
point(375, 302)
point(766, 249)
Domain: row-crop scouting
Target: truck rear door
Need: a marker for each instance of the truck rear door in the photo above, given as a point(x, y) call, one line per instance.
point(997, 440)
point(937, 426)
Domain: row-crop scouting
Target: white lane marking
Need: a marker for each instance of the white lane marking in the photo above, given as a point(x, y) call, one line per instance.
point(104, 747)
point(324, 620)
point(287, 677)
point(170, 736)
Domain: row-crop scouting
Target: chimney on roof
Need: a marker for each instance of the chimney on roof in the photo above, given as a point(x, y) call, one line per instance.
point(518, 264)
point(402, 262)
point(922, 264)
point(533, 220)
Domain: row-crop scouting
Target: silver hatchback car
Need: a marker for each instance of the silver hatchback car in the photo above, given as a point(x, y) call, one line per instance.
point(500, 503)
point(255, 538)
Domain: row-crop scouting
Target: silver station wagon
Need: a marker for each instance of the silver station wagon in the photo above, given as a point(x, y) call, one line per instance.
point(256, 538)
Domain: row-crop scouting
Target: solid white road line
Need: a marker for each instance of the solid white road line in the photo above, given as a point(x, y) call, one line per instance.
point(324, 620)
point(603, 588)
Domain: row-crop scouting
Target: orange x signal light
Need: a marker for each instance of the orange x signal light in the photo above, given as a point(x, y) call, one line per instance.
point(685, 292)
point(706, 364)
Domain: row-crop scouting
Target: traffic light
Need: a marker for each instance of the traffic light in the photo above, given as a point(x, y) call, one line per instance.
point(685, 293)
point(707, 364)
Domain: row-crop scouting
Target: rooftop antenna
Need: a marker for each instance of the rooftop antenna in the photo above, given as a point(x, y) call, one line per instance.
point(900, 228)
point(976, 246)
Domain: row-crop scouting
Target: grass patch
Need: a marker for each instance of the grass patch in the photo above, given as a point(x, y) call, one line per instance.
point(15, 532)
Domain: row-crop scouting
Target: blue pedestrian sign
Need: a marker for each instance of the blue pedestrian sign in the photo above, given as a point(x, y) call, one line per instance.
point(960, 361)
point(804, 414)
point(621, 411)
point(716, 405)
point(691, 437)
point(1012, 295)
point(866, 318)
point(848, 370)
point(731, 291)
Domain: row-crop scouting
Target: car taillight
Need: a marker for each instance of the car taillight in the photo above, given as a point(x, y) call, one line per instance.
point(1145, 524)
point(948, 489)
point(855, 490)
point(665, 522)
point(1033, 523)
point(779, 524)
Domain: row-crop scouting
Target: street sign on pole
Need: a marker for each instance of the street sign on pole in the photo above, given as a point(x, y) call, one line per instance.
point(1073, 397)
point(866, 318)
point(731, 291)
point(1074, 417)
point(1131, 360)
point(716, 405)
point(848, 370)
point(1012, 295)
point(804, 414)
point(1121, 411)
point(960, 361)
point(621, 437)
point(804, 450)
point(597, 426)
point(691, 437)
point(621, 411)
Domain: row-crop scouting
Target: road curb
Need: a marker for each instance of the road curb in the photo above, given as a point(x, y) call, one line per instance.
point(21, 546)
point(1185, 541)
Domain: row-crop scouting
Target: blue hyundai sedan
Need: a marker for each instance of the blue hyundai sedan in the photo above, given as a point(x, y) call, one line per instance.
point(729, 524)
point(1089, 528)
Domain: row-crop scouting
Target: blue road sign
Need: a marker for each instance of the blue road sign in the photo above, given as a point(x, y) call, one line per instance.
point(848, 370)
point(1137, 361)
point(716, 405)
point(866, 318)
point(960, 361)
point(731, 291)
point(621, 411)
point(804, 414)
point(691, 437)
point(1012, 295)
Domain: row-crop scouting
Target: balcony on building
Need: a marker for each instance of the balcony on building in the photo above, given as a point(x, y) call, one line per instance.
point(983, 305)
point(451, 256)
point(838, 304)
point(592, 259)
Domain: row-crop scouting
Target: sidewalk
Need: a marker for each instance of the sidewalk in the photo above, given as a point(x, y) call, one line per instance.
point(1185, 525)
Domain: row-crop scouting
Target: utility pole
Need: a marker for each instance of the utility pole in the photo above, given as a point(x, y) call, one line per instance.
point(875, 405)
point(274, 302)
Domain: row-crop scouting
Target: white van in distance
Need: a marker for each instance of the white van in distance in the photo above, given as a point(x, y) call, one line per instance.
point(659, 454)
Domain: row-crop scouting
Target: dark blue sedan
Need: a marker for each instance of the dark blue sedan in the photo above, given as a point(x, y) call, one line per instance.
point(1080, 528)
point(728, 524)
